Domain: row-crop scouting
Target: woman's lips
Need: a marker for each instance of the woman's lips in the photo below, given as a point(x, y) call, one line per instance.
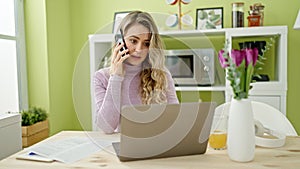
point(134, 56)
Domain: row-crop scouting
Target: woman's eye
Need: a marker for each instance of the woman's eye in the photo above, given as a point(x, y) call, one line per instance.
point(133, 41)
point(147, 44)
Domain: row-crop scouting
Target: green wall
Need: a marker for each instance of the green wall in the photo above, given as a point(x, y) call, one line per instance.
point(36, 46)
point(58, 52)
point(50, 63)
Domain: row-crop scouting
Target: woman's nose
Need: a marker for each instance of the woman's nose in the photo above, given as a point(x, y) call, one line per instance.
point(139, 47)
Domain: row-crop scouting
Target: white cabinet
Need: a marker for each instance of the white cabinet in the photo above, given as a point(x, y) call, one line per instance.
point(273, 92)
point(11, 134)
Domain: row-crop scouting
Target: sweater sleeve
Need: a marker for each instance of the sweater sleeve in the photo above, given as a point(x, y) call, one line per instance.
point(171, 92)
point(108, 100)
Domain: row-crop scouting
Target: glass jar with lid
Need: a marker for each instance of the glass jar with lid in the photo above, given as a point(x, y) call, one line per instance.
point(260, 11)
point(237, 17)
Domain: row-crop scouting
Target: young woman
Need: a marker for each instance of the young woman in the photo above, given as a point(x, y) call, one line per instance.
point(136, 75)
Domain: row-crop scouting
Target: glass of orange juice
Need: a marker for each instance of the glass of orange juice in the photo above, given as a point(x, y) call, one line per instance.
point(217, 140)
point(218, 135)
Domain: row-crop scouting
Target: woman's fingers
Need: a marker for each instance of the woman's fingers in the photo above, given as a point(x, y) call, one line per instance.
point(118, 57)
point(124, 55)
point(117, 54)
point(117, 65)
point(121, 56)
point(117, 48)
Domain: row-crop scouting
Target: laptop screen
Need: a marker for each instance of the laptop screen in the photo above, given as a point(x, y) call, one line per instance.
point(165, 130)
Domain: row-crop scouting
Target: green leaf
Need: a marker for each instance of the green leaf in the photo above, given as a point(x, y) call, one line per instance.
point(33, 115)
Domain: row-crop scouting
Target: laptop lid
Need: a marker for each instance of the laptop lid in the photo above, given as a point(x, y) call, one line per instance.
point(164, 130)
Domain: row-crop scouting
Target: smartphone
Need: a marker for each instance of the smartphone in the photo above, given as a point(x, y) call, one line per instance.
point(119, 39)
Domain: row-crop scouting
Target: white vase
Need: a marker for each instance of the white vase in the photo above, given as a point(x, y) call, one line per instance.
point(241, 133)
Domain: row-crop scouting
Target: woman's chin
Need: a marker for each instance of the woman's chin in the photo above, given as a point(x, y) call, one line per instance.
point(134, 61)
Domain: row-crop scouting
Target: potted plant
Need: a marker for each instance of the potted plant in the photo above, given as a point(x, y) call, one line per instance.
point(241, 66)
point(35, 126)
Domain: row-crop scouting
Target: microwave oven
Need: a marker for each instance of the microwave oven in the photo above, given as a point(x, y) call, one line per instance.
point(191, 67)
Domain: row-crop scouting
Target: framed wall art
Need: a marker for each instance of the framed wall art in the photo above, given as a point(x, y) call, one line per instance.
point(117, 20)
point(209, 18)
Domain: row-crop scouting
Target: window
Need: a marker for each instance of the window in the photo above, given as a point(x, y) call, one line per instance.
point(13, 86)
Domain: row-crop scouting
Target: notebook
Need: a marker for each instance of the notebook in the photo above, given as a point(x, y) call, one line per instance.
point(164, 130)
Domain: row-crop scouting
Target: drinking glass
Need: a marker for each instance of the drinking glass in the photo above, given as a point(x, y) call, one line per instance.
point(218, 136)
point(217, 140)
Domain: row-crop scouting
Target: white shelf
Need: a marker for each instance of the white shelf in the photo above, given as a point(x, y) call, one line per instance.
point(250, 31)
point(200, 88)
point(100, 38)
point(186, 33)
point(256, 31)
point(234, 32)
point(107, 38)
point(273, 92)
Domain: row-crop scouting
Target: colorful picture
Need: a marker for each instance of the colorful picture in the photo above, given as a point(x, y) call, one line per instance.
point(209, 18)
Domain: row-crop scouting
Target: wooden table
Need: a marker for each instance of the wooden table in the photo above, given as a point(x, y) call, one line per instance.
point(287, 157)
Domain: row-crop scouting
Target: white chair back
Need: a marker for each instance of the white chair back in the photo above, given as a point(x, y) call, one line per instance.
point(269, 116)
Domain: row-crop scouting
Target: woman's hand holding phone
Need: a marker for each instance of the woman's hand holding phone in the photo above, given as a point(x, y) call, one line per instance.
point(119, 55)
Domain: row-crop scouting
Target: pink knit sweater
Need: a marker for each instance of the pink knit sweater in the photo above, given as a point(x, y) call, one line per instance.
point(112, 92)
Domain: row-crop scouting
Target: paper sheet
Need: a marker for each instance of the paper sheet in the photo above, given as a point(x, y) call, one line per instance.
point(71, 149)
point(33, 157)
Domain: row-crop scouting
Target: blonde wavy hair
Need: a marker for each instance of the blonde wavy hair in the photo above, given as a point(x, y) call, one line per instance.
point(153, 78)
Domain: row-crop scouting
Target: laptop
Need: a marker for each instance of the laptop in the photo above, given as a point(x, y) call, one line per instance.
point(164, 130)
